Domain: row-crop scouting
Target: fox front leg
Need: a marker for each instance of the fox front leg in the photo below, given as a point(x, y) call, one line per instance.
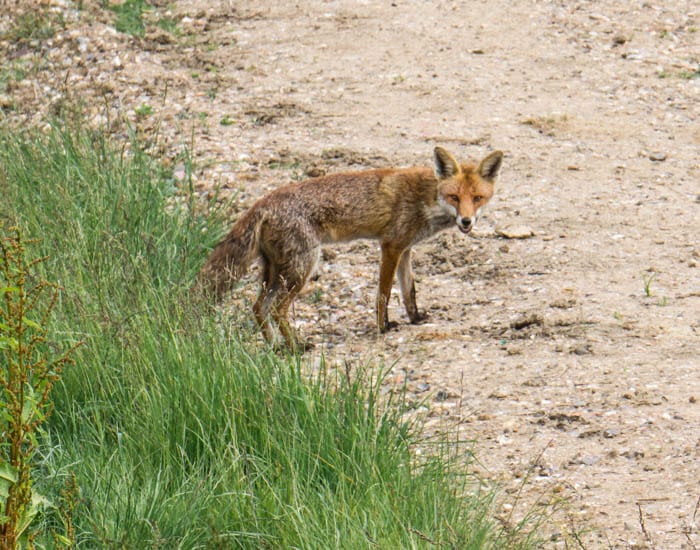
point(408, 288)
point(387, 270)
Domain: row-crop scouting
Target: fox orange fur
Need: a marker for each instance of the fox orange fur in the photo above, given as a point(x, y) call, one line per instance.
point(397, 206)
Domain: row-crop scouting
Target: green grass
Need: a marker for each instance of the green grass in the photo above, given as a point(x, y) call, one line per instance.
point(130, 16)
point(180, 432)
point(33, 24)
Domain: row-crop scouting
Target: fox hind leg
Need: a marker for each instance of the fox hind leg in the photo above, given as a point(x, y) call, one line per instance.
point(287, 270)
point(280, 313)
point(269, 288)
point(292, 280)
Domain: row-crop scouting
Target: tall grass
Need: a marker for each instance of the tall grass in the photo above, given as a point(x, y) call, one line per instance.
point(180, 432)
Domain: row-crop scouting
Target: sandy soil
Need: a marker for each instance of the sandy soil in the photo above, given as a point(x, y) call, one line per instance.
point(570, 356)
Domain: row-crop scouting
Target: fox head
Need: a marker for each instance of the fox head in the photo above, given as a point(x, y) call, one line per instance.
point(464, 189)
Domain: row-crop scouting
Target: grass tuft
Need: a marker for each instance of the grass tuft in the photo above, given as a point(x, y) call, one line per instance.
point(130, 17)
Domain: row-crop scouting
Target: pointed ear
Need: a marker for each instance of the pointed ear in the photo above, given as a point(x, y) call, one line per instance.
point(489, 167)
point(445, 164)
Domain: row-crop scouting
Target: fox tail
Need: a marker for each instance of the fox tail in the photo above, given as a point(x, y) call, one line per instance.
point(231, 258)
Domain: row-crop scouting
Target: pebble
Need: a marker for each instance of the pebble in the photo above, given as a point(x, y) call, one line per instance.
point(515, 232)
point(441, 395)
point(588, 460)
point(582, 350)
point(657, 157)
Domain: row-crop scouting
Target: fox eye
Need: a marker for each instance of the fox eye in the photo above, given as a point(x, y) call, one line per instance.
point(478, 198)
point(453, 198)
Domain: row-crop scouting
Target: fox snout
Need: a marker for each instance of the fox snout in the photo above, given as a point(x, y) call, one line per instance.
point(465, 224)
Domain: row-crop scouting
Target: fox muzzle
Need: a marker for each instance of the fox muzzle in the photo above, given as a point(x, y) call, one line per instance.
point(465, 224)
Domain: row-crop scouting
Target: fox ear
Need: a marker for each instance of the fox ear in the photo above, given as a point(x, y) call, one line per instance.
point(445, 164)
point(489, 167)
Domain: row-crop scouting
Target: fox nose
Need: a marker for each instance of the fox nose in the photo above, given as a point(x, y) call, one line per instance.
point(465, 222)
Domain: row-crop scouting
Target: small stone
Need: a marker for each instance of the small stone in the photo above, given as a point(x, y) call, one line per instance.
point(582, 350)
point(159, 36)
point(315, 172)
point(328, 254)
point(525, 321)
point(180, 173)
point(515, 232)
point(588, 460)
point(633, 454)
point(657, 157)
point(499, 393)
point(610, 433)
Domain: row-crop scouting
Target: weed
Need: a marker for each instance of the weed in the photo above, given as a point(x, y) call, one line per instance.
point(169, 24)
point(647, 279)
point(30, 369)
point(684, 75)
point(315, 297)
point(227, 121)
point(689, 75)
point(144, 110)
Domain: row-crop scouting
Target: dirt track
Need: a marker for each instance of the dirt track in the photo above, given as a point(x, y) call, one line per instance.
point(570, 356)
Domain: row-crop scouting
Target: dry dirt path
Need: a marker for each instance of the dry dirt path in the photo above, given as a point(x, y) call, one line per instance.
point(571, 357)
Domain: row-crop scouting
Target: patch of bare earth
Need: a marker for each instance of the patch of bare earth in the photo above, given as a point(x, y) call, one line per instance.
point(571, 355)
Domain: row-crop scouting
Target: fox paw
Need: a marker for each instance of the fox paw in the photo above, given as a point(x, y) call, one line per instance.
point(389, 325)
point(299, 347)
point(304, 346)
point(419, 317)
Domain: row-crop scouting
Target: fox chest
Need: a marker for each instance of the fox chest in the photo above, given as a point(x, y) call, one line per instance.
point(436, 218)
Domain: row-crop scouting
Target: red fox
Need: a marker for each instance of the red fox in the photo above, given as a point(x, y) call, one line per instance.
point(399, 207)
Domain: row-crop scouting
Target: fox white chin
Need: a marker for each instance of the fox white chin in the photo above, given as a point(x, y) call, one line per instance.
point(465, 230)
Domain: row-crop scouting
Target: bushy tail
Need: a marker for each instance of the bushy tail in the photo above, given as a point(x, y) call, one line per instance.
point(231, 258)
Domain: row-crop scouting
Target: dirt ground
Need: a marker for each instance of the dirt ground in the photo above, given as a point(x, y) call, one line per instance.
point(570, 355)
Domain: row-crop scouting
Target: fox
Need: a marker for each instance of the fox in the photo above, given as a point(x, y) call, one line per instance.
point(399, 207)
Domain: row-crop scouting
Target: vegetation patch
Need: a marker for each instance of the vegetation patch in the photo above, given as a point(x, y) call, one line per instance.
point(173, 428)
